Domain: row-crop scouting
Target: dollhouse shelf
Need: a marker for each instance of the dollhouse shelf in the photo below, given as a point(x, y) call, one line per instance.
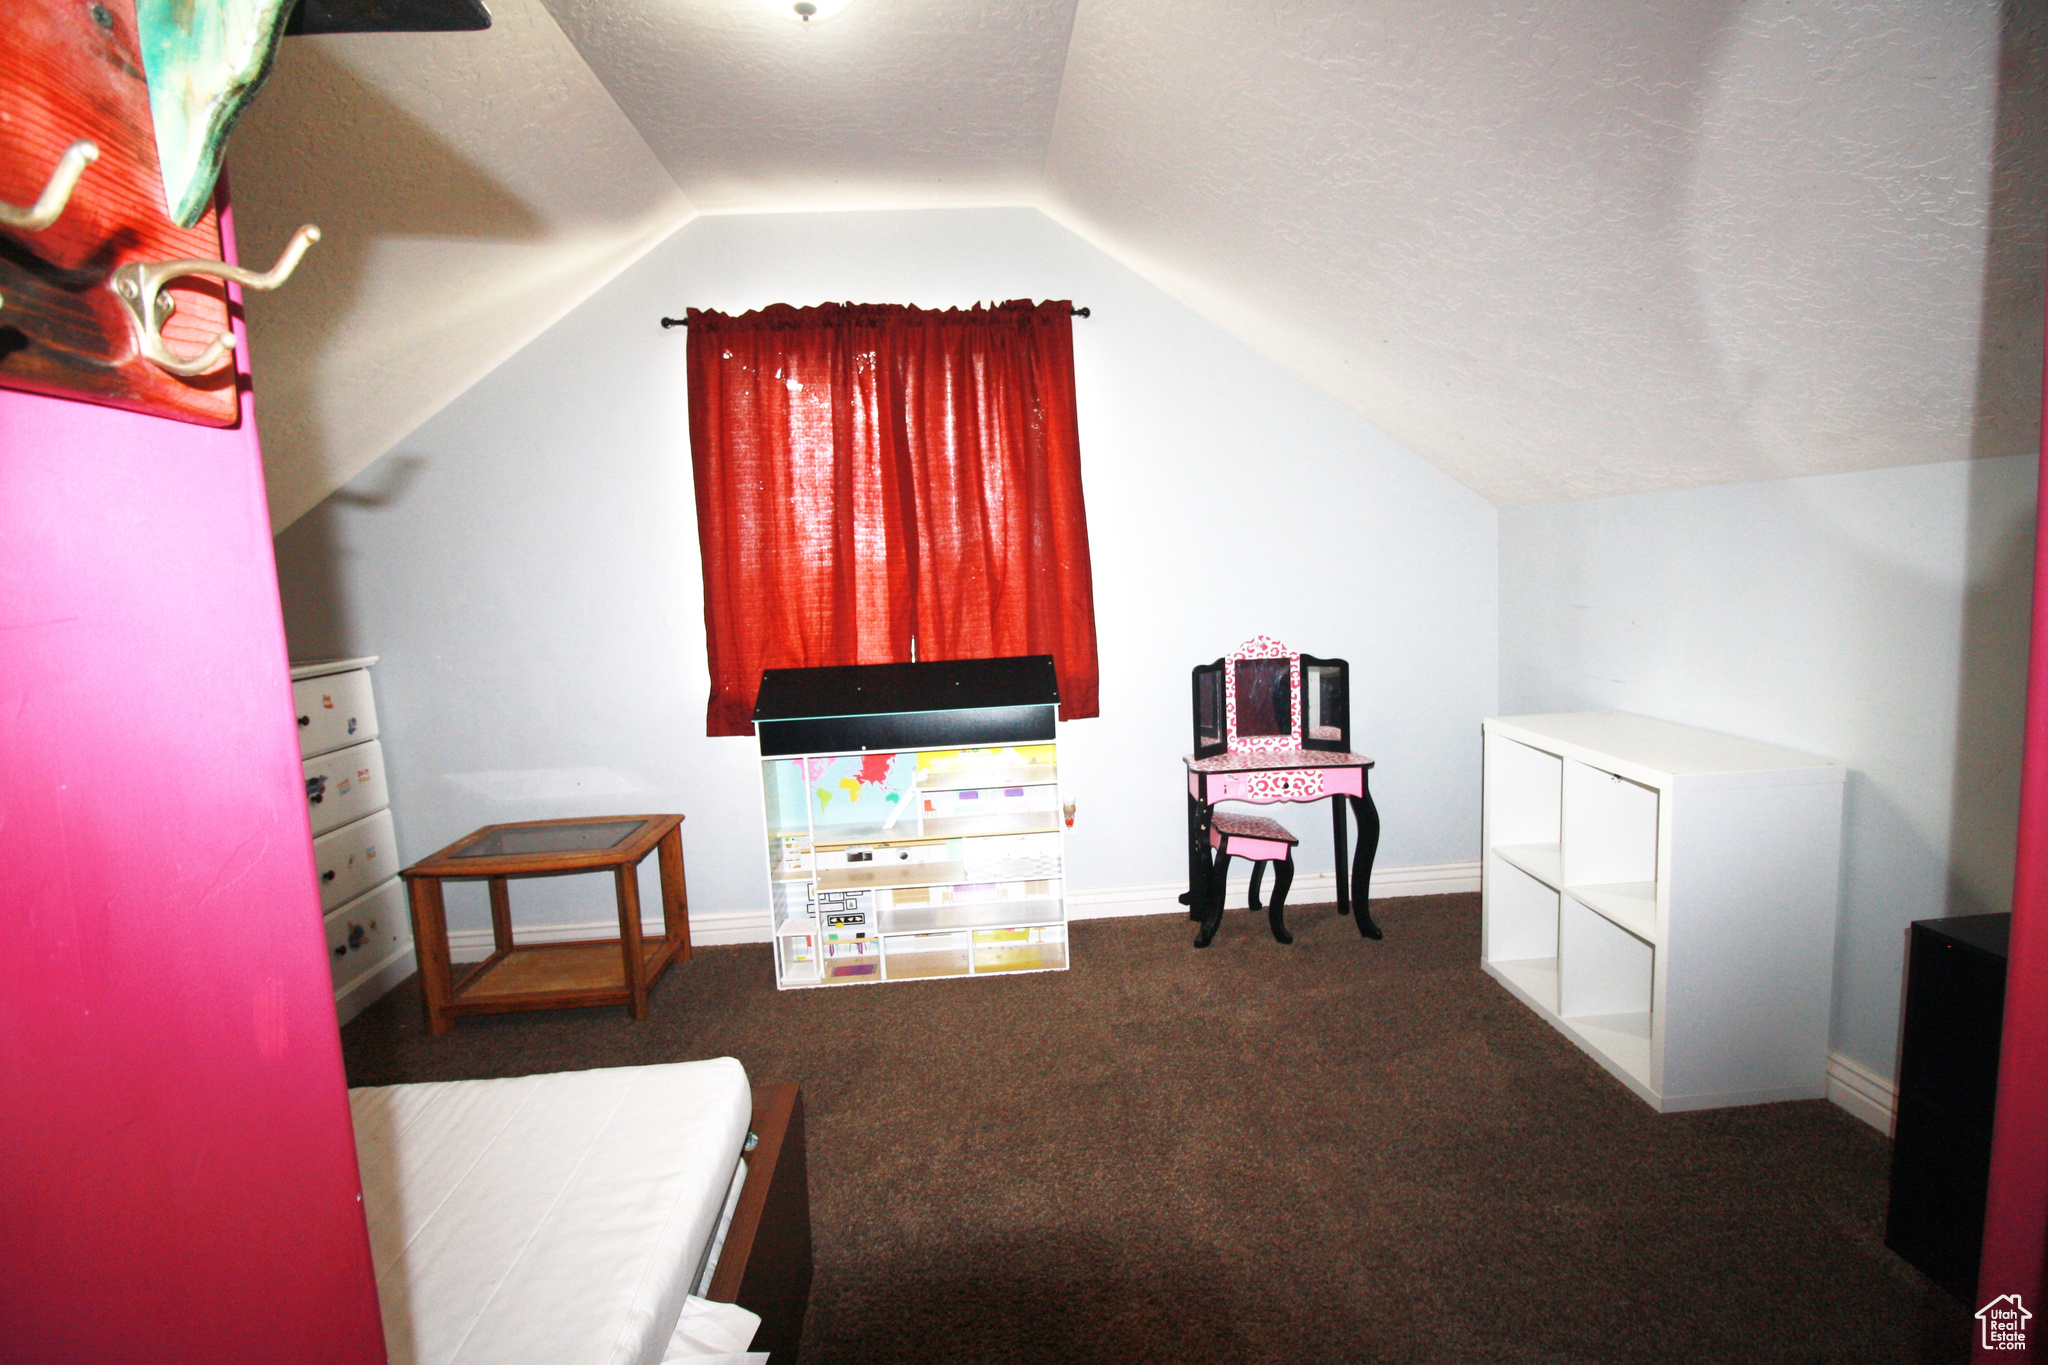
point(939, 831)
point(1665, 898)
point(1038, 775)
point(903, 875)
point(913, 821)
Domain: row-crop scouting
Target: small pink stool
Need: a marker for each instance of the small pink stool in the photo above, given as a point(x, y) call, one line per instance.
point(1232, 835)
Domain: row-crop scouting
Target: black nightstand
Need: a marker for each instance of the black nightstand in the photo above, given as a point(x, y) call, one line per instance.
point(1948, 1085)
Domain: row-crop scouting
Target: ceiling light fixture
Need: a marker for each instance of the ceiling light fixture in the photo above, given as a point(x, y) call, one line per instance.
point(807, 11)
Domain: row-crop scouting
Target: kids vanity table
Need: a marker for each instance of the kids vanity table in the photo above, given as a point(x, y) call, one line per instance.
point(1273, 725)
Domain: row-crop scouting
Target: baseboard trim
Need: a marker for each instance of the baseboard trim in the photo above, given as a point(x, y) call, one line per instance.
point(719, 927)
point(1861, 1091)
point(1315, 888)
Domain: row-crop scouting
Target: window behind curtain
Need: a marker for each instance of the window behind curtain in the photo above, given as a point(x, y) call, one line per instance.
point(869, 476)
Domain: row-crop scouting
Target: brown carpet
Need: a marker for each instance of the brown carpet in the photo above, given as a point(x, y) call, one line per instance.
point(1335, 1151)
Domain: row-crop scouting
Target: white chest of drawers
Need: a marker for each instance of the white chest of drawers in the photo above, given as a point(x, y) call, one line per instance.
point(355, 844)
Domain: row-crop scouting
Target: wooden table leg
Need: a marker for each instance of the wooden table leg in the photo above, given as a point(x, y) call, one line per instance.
point(628, 881)
point(1368, 846)
point(675, 894)
point(1343, 879)
point(501, 915)
point(430, 946)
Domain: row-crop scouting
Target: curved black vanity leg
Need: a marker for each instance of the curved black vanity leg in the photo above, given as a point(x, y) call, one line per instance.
point(1343, 883)
point(1196, 896)
point(1212, 918)
point(1361, 866)
point(1258, 873)
point(1283, 877)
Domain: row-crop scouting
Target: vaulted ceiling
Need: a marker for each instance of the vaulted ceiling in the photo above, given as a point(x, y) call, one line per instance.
point(1560, 249)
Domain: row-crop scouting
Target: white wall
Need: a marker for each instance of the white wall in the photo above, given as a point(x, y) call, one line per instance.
point(527, 565)
point(1877, 618)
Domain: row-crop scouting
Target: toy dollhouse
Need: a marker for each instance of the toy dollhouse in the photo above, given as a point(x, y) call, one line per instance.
point(914, 822)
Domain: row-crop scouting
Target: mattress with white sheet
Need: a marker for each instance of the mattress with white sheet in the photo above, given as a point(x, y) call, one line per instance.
point(558, 1219)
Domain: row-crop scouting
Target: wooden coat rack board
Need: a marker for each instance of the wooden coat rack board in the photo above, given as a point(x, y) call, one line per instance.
point(71, 72)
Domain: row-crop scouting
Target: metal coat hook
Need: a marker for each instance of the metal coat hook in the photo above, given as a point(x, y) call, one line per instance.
point(50, 204)
point(140, 286)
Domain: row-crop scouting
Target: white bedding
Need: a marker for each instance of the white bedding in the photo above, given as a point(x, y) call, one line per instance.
point(550, 1219)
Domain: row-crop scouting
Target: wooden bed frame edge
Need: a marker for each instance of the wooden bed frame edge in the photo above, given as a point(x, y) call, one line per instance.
point(766, 1265)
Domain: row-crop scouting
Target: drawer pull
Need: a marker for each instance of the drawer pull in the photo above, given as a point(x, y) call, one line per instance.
point(316, 787)
point(328, 875)
point(305, 721)
point(140, 287)
point(50, 204)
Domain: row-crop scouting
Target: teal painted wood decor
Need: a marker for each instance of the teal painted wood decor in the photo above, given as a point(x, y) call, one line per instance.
point(205, 60)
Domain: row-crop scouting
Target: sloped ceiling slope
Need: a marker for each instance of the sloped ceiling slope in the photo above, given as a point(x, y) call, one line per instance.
point(1569, 250)
point(1559, 248)
point(472, 189)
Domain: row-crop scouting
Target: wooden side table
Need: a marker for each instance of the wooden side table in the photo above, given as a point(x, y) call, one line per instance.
point(539, 976)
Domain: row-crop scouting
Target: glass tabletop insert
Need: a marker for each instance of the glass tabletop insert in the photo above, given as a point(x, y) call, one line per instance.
point(578, 838)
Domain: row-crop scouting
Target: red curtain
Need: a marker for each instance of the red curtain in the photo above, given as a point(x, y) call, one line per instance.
point(873, 475)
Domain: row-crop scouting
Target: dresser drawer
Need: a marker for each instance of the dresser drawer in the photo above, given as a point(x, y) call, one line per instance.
point(335, 710)
point(345, 785)
point(364, 934)
point(355, 858)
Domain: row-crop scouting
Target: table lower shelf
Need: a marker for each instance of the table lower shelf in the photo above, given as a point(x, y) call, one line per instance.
point(557, 976)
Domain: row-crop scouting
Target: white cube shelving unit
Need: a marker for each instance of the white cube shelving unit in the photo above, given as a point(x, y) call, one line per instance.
point(1666, 898)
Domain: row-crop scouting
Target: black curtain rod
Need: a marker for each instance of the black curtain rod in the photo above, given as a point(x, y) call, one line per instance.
point(667, 323)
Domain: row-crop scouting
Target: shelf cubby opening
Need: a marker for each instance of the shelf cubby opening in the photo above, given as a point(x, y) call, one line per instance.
point(910, 957)
point(988, 914)
point(1022, 765)
point(1610, 828)
point(1523, 794)
point(1606, 978)
point(782, 789)
point(1020, 949)
point(1521, 923)
point(796, 957)
point(1020, 957)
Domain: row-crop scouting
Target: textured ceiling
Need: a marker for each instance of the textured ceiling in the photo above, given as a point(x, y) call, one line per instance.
point(1569, 250)
point(889, 103)
point(1560, 250)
